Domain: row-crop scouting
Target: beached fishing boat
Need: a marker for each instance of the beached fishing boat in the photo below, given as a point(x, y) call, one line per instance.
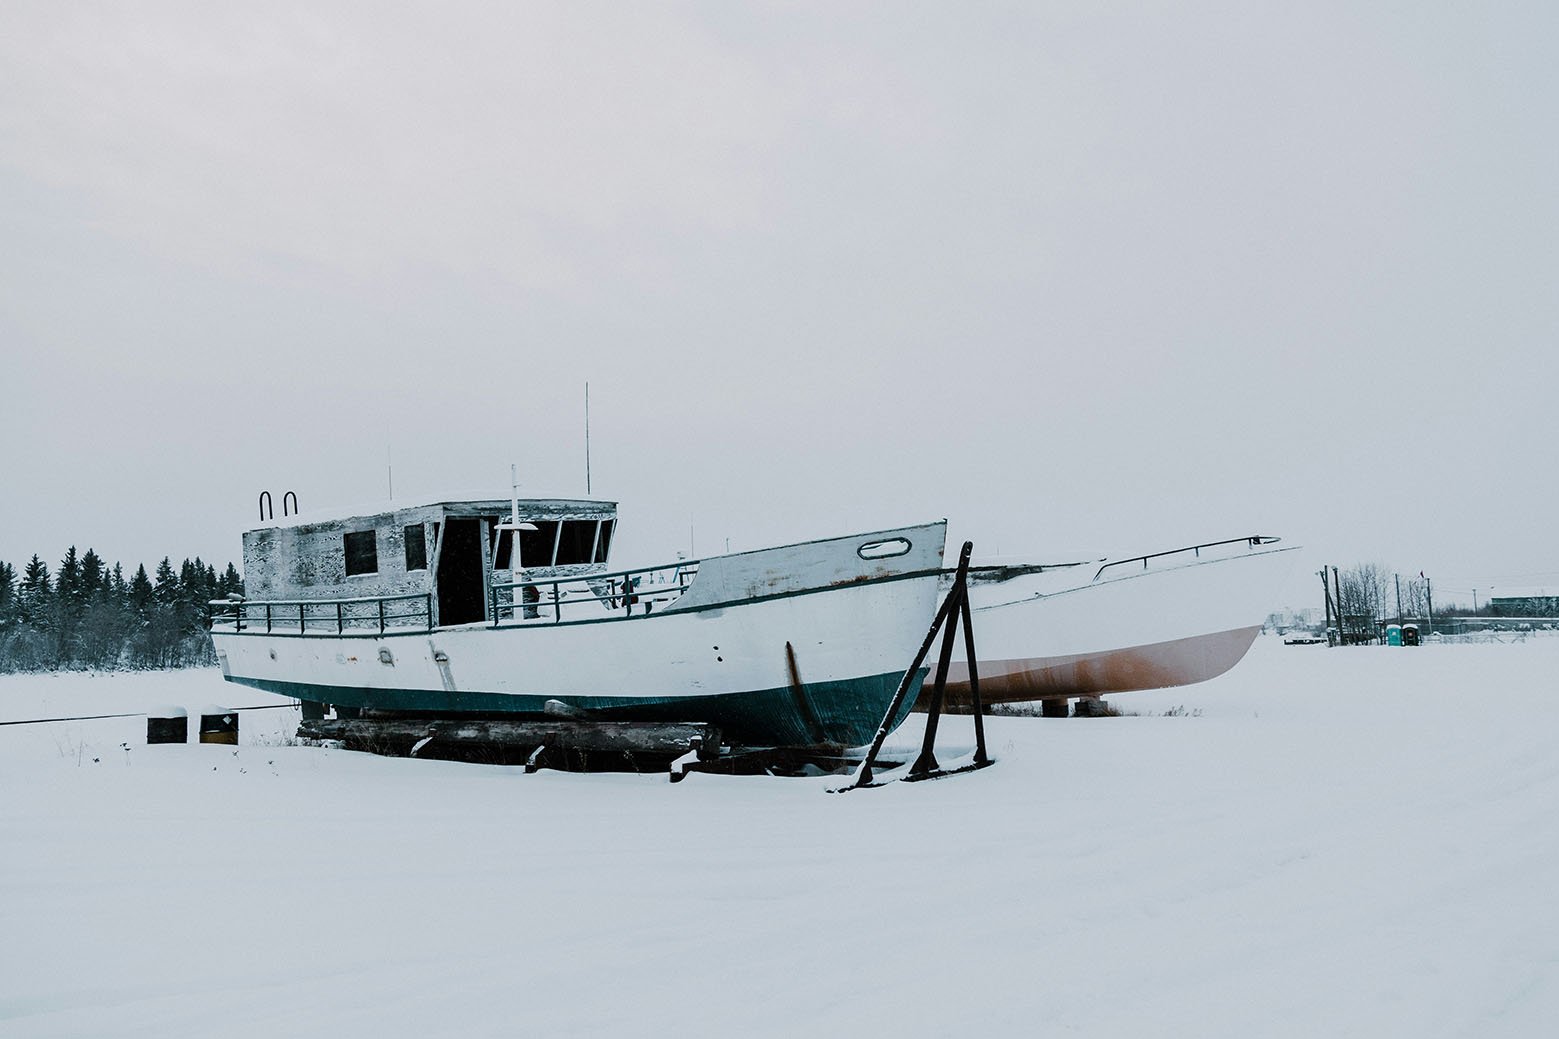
point(507, 608)
point(1055, 631)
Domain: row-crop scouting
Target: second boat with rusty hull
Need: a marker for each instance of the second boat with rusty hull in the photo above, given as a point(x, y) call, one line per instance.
point(1058, 631)
point(801, 645)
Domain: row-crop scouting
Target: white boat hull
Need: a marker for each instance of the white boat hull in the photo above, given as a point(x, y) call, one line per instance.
point(1153, 628)
point(770, 657)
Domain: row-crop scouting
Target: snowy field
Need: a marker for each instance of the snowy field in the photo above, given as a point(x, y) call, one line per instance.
point(1350, 842)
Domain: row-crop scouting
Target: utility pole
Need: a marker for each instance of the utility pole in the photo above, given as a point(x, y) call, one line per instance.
point(1399, 597)
point(1429, 595)
point(1326, 594)
point(1341, 620)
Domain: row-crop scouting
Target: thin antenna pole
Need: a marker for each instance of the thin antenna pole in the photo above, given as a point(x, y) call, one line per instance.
point(587, 438)
point(514, 497)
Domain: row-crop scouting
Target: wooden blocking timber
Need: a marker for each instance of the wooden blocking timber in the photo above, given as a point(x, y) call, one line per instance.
point(167, 725)
point(219, 726)
point(620, 746)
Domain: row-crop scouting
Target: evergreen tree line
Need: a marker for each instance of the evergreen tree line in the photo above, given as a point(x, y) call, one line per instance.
point(88, 615)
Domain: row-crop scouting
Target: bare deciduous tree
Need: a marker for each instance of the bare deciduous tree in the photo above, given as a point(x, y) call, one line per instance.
point(1415, 596)
point(1365, 591)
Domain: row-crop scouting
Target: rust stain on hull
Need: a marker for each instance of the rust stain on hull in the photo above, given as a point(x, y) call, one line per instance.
point(1157, 666)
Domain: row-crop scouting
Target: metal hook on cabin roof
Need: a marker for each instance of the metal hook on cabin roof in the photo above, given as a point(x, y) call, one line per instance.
point(289, 505)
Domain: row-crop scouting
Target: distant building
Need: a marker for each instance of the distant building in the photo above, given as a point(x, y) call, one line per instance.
point(1524, 606)
point(1310, 618)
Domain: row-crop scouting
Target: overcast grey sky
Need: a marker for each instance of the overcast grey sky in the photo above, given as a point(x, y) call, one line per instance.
point(1079, 278)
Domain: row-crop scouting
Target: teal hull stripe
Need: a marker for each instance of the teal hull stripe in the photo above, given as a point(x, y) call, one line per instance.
point(846, 712)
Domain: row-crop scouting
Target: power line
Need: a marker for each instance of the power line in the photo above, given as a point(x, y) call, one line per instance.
point(132, 714)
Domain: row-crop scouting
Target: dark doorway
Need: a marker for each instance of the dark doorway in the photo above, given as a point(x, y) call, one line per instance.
point(461, 595)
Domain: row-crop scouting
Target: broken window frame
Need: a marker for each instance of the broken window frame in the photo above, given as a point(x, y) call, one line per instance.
point(416, 547)
point(361, 561)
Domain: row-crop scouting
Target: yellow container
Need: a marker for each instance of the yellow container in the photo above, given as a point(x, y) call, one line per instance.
point(221, 727)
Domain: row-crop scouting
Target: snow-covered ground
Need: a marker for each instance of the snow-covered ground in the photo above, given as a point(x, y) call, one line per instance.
point(1349, 842)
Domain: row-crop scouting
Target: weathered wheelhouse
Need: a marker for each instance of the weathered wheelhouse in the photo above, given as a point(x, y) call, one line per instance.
point(432, 564)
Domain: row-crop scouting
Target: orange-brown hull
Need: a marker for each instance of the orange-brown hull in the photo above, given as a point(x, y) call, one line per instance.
point(1157, 666)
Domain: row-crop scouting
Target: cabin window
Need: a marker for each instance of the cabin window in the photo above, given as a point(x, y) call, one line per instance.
point(416, 548)
point(362, 553)
point(603, 542)
point(536, 545)
point(576, 542)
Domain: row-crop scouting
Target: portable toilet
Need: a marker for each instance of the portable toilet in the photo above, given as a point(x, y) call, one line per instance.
point(1409, 634)
point(1393, 634)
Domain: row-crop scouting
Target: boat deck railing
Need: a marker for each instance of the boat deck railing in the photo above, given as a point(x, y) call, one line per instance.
point(381, 613)
point(607, 596)
point(600, 596)
point(1253, 541)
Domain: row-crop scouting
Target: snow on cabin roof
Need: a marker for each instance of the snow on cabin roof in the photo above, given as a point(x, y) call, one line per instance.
point(473, 503)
